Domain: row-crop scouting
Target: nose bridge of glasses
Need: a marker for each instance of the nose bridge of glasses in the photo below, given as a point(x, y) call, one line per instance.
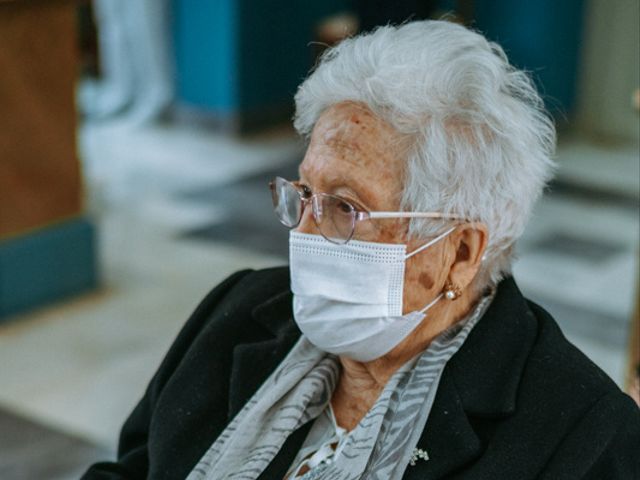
point(308, 222)
point(317, 206)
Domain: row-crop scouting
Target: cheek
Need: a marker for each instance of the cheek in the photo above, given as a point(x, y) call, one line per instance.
point(387, 231)
point(423, 274)
point(388, 236)
point(426, 280)
point(420, 276)
point(380, 231)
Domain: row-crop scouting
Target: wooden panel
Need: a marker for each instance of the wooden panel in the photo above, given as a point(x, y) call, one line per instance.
point(39, 170)
point(633, 359)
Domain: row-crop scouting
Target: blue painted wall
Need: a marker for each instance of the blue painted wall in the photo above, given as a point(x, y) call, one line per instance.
point(542, 36)
point(275, 55)
point(47, 265)
point(206, 53)
point(243, 55)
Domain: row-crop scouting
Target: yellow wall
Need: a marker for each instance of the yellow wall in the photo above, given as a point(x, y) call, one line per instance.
point(610, 70)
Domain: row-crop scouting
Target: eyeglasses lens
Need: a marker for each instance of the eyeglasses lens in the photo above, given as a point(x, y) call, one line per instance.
point(286, 202)
point(334, 217)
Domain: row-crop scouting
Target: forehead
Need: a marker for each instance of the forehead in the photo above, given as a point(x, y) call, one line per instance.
point(350, 143)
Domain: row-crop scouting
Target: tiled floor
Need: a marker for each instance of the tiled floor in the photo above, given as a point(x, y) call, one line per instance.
point(178, 209)
point(49, 454)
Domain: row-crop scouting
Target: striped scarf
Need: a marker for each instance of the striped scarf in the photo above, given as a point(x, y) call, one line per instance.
point(382, 444)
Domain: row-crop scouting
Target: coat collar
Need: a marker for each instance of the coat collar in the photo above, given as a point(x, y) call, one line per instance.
point(276, 315)
point(253, 362)
point(481, 379)
point(488, 368)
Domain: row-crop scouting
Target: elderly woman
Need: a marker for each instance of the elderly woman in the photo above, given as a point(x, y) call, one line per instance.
point(396, 344)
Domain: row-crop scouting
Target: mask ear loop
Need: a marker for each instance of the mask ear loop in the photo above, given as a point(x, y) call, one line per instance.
point(433, 302)
point(429, 243)
point(418, 250)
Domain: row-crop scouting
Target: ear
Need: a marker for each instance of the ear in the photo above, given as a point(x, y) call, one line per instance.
point(469, 242)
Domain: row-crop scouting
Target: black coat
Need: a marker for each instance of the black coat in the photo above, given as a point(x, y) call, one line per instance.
point(517, 401)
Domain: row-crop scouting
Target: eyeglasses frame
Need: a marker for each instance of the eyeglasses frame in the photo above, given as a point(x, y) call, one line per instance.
point(360, 212)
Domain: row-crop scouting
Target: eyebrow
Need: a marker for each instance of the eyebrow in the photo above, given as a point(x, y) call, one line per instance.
point(355, 188)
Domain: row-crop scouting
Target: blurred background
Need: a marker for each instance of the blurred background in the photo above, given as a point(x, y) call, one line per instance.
point(137, 138)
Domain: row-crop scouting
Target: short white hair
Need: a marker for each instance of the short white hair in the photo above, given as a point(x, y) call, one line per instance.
point(480, 141)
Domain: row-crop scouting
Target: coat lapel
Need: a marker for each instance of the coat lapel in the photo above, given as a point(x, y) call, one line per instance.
point(480, 383)
point(448, 438)
point(254, 362)
point(489, 367)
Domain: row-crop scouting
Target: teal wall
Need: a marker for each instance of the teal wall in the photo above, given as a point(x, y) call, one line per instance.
point(244, 55)
point(543, 37)
point(275, 55)
point(47, 265)
point(206, 53)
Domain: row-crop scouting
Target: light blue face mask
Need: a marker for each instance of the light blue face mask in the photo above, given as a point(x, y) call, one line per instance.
point(347, 299)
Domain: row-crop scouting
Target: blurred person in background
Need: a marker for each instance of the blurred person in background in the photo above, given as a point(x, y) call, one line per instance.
point(396, 344)
point(135, 62)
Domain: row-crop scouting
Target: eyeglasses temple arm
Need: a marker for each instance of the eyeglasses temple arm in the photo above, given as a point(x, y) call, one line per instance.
point(410, 215)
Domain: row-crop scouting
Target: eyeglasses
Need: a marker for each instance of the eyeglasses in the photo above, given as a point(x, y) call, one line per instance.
point(334, 216)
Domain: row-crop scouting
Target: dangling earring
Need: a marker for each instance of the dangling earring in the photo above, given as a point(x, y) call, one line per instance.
point(451, 291)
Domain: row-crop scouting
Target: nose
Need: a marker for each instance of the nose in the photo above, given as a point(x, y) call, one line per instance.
point(307, 223)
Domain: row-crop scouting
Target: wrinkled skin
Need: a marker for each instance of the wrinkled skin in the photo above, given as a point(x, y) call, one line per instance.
point(354, 154)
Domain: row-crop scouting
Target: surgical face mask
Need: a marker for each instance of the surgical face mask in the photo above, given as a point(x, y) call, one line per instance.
point(347, 299)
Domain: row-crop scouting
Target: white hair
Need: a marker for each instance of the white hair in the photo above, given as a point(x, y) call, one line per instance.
point(480, 142)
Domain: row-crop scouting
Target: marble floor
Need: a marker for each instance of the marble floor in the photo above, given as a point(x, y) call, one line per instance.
point(179, 208)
